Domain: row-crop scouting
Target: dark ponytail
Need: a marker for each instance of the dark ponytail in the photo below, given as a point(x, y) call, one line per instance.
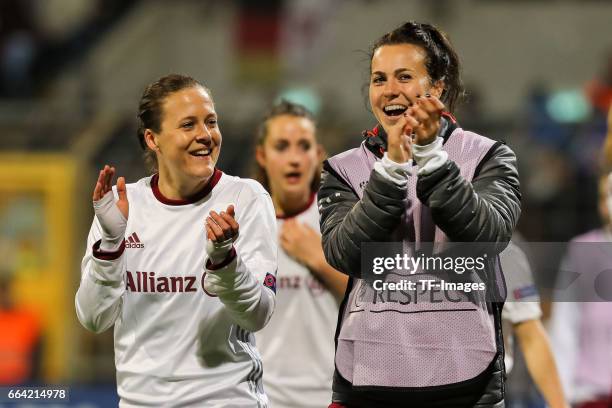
point(442, 60)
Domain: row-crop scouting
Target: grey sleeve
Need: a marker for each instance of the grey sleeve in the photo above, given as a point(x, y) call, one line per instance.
point(347, 222)
point(484, 210)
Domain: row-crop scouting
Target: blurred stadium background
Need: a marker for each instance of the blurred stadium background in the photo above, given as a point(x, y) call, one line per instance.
point(538, 75)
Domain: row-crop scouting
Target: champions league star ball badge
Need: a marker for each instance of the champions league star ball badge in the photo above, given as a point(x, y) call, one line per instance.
point(270, 281)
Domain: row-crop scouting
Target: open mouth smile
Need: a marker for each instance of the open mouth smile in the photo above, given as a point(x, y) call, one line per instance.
point(394, 110)
point(204, 152)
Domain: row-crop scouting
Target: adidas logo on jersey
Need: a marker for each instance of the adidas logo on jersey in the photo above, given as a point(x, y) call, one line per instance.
point(133, 242)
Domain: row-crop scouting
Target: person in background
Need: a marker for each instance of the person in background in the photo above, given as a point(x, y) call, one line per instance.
point(181, 263)
point(20, 338)
point(580, 327)
point(521, 320)
point(297, 345)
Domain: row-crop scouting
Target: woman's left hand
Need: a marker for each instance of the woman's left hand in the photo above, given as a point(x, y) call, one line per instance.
point(221, 231)
point(424, 117)
point(222, 226)
point(302, 243)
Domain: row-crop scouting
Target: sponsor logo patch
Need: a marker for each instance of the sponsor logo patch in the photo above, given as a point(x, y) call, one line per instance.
point(270, 281)
point(148, 282)
point(525, 291)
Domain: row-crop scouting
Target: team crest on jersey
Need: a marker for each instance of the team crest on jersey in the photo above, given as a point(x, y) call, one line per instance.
point(270, 281)
point(133, 241)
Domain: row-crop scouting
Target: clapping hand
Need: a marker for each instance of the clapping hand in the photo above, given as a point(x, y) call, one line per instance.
point(420, 124)
point(111, 214)
point(424, 118)
point(221, 232)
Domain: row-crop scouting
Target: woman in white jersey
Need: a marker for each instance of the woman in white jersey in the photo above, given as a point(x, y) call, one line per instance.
point(181, 263)
point(297, 346)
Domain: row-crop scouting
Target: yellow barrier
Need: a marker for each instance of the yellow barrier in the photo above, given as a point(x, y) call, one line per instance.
point(37, 194)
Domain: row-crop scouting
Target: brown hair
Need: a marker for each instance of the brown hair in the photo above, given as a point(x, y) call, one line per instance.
point(442, 60)
point(150, 108)
point(281, 108)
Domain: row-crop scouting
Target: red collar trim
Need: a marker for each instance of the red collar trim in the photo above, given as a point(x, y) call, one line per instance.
point(313, 196)
point(193, 199)
point(450, 117)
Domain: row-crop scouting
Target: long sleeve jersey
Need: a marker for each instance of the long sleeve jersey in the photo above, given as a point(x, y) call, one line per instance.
point(177, 344)
point(300, 332)
point(580, 326)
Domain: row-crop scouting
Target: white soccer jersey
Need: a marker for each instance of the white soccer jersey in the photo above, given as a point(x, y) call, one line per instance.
point(176, 344)
point(297, 345)
point(522, 302)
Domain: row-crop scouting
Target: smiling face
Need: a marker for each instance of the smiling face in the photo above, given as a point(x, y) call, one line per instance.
point(289, 155)
point(398, 75)
point(188, 144)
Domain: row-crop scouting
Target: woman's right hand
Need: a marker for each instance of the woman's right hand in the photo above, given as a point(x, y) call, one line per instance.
point(303, 244)
point(399, 140)
point(111, 215)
